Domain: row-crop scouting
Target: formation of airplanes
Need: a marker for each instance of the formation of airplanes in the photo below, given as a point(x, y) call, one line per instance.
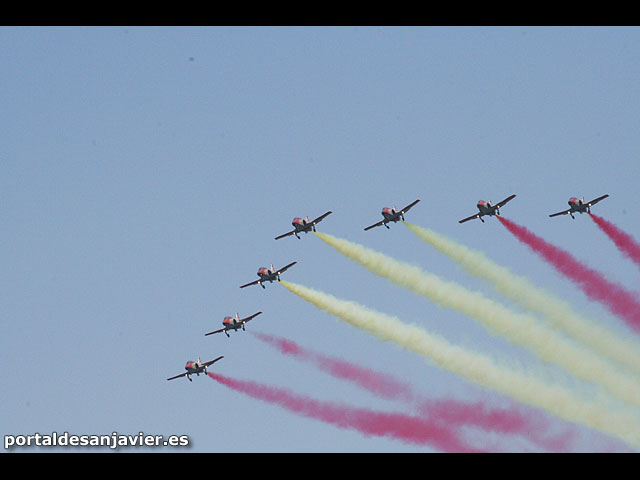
point(389, 215)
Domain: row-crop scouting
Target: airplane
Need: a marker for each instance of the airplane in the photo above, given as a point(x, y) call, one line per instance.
point(303, 225)
point(579, 205)
point(486, 208)
point(268, 275)
point(392, 215)
point(196, 367)
point(231, 323)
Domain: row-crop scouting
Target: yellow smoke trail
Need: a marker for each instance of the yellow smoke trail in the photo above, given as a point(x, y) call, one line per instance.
point(520, 328)
point(478, 368)
point(555, 311)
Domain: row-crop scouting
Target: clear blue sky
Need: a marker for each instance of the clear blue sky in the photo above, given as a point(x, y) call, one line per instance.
point(145, 171)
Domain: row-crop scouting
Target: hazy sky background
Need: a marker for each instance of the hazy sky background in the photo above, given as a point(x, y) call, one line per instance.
point(145, 171)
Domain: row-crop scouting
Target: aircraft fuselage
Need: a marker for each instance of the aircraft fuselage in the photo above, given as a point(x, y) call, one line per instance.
point(194, 368)
point(391, 215)
point(230, 323)
point(578, 206)
point(267, 275)
point(486, 208)
point(302, 225)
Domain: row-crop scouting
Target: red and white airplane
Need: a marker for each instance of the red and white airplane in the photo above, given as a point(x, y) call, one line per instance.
point(303, 225)
point(196, 368)
point(268, 275)
point(392, 215)
point(486, 208)
point(233, 323)
point(578, 205)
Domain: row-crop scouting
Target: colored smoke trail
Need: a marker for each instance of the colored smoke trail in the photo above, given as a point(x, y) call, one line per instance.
point(377, 383)
point(520, 328)
point(453, 413)
point(409, 429)
point(625, 242)
point(481, 369)
point(619, 301)
point(555, 311)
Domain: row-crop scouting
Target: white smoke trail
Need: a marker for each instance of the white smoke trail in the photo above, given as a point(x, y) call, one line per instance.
point(555, 399)
point(555, 311)
point(520, 328)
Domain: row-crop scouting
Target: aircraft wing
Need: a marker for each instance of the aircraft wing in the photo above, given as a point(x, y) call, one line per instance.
point(379, 224)
point(406, 209)
point(212, 361)
point(177, 376)
point(285, 267)
point(564, 212)
point(477, 215)
point(505, 200)
point(249, 284)
point(320, 218)
point(593, 202)
point(216, 331)
point(245, 320)
point(285, 234)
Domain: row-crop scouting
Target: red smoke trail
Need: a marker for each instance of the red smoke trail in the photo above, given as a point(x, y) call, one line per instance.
point(402, 427)
point(450, 412)
point(618, 300)
point(383, 385)
point(625, 242)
